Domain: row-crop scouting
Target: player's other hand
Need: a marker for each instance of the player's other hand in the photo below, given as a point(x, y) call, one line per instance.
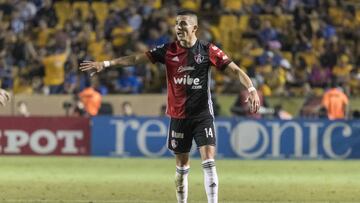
point(4, 97)
point(254, 102)
point(92, 66)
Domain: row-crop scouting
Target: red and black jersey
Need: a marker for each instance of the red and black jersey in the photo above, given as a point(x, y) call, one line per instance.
point(188, 76)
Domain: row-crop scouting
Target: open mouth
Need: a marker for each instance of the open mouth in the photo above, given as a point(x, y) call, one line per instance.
point(180, 34)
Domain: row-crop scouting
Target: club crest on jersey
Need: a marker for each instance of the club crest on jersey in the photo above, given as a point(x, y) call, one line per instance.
point(173, 144)
point(199, 58)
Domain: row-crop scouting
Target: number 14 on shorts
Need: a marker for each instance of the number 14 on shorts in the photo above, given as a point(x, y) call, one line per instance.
point(209, 132)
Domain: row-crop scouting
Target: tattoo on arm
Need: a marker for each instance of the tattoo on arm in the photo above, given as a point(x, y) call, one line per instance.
point(130, 60)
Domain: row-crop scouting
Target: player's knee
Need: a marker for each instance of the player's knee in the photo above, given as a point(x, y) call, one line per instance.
point(207, 152)
point(208, 157)
point(182, 164)
point(182, 160)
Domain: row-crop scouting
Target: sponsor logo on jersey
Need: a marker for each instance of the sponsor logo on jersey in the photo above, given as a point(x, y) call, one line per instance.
point(177, 135)
point(185, 68)
point(199, 58)
point(187, 80)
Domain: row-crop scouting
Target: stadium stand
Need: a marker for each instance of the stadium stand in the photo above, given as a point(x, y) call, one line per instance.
point(291, 48)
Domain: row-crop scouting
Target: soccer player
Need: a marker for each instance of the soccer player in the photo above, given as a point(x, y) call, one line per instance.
point(4, 97)
point(189, 105)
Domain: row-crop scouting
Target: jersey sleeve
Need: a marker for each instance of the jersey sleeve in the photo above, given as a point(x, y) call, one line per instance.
point(157, 54)
point(218, 58)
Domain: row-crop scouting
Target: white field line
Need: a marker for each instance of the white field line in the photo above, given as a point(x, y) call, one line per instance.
point(147, 201)
point(73, 200)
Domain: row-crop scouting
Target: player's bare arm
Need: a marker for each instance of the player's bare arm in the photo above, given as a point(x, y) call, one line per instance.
point(246, 81)
point(118, 62)
point(35, 54)
point(4, 97)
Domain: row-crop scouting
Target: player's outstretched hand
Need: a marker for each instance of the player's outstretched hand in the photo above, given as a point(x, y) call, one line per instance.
point(92, 66)
point(4, 97)
point(254, 101)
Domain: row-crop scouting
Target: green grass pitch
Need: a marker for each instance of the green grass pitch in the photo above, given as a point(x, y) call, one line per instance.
point(139, 180)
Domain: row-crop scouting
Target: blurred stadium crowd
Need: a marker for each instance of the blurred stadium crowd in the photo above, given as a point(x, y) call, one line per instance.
point(289, 47)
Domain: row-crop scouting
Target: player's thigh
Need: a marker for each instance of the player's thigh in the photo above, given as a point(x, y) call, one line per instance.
point(180, 136)
point(204, 132)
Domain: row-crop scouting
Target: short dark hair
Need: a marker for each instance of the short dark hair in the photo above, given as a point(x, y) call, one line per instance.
point(184, 12)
